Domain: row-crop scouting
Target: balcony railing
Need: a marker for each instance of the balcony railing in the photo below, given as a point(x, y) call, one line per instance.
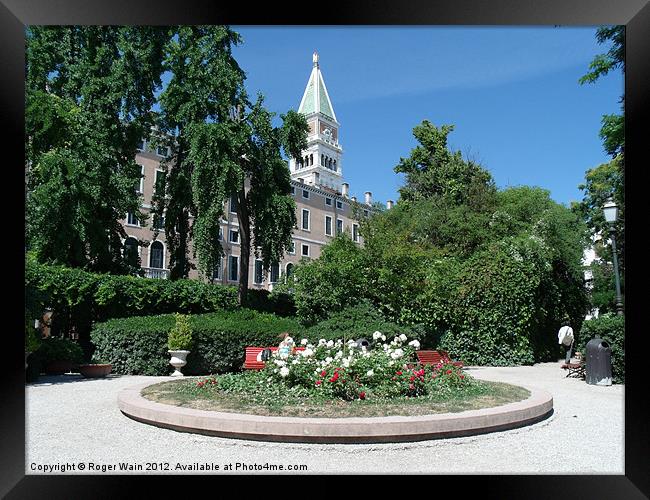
point(152, 272)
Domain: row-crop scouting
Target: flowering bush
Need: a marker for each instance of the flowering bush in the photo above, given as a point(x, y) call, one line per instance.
point(334, 369)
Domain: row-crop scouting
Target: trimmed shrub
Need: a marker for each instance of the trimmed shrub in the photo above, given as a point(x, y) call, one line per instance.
point(610, 328)
point(139, 345)
point(355, 322)
point(180, 337)
point(506, 308)
point(79, 298)
point(56, 349)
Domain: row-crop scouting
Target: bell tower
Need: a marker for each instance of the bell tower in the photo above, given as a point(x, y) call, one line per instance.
point(320, 163)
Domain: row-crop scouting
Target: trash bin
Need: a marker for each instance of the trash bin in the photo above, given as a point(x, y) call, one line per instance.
point(599, 362)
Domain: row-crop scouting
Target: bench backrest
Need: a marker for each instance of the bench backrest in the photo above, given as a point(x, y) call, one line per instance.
point(434, 357)
point(250, 361)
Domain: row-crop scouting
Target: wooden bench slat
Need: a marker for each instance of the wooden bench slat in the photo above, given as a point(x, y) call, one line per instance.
point(250, 361)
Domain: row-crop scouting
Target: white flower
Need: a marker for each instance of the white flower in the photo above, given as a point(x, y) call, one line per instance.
point(376, 335)
point(391, 363)
point(295, 362)
point(397, 353)
point(415, 344)
point(345, 363)
point(402, 337)
point(280, 362)
point(328, 360)
point(383, 338)
point(284, 371)
point(330, 343)
point(304, 342)
point(322, 342)
point(351, 342)
point(370, 373)
point(307, 353)
point(338, 355)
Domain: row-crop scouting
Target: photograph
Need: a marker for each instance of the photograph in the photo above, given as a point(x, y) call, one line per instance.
point(316, 249)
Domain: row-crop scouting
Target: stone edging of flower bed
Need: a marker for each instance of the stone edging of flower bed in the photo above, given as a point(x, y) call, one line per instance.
point(336, 430)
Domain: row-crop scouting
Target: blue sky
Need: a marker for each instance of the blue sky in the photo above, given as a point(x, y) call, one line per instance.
point(512, 94)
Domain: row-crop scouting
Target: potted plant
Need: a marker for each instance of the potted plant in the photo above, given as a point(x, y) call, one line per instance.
point(179, 342)
point(96, 368)
point(60, 355)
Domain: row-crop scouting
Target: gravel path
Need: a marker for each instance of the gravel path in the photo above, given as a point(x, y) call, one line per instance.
point(71, 420)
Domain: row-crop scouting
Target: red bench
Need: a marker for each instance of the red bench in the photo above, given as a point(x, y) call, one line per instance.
point(250, 361)
point(434, 357)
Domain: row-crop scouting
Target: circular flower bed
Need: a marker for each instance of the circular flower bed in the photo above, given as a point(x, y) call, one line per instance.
point(341, 378)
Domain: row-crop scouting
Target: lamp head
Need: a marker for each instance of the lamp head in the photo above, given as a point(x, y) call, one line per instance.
point(611, 211)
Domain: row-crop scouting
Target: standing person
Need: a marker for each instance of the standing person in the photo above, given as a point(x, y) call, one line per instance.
point(565, 339)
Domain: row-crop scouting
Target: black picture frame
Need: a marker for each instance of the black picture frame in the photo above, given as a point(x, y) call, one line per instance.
point(635, 14)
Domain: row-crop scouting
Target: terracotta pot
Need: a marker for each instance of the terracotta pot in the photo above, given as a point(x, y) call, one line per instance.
point(95, 370)
point(58, 367)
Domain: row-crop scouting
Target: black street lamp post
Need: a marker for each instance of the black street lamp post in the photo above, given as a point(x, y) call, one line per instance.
point(611, 214)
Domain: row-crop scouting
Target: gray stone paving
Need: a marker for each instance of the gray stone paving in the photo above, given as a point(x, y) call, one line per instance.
point(72, 421)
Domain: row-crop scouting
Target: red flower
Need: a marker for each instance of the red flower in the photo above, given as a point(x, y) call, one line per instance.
point(399, 373)
point(462, 376)
point(412, 378)
point(362, 395)
point(448, 372)
point(323, 373)
point(318, 382)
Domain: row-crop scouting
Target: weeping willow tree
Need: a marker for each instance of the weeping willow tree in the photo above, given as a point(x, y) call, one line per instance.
point(223, 147)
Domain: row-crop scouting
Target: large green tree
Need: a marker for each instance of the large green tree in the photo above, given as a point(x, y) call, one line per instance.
point(433, 170)
point(607, 180)
point(223, 148)
point(241, 159)
point(205, 83)
point(89, 92)
point(612, 131)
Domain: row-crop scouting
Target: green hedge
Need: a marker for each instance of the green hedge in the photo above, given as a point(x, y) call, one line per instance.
point(281, 304)
point(80, 298)
point(139, 345)
point(507, 307)
point(610, 328)
point(359, 321)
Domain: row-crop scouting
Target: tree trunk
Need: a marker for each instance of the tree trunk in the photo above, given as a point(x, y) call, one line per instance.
point(245, 245)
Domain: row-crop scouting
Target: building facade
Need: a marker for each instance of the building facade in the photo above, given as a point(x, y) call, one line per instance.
point(323, 205)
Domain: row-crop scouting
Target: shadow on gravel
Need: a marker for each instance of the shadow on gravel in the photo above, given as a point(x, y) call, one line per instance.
point(68, 378)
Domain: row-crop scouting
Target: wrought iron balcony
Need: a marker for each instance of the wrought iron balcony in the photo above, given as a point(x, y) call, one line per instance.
point(152, 272)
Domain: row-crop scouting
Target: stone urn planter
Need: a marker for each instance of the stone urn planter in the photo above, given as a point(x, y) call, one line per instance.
point(178, 361)
point(95, 370)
